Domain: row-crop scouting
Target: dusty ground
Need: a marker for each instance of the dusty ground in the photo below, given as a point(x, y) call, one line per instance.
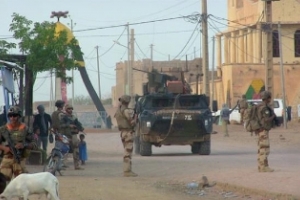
point(164, 175)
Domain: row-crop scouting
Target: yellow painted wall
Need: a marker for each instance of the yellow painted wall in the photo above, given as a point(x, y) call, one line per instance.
point(241, 76)
point(288, 31)
point(286, 10)
point(248, 14)
point(251, 11)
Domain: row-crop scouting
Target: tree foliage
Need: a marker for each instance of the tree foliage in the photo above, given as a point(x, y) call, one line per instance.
point(45, 49)
point(5, 47)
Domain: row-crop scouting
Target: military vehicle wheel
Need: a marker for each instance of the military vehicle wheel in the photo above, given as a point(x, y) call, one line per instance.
point(137, 144)
point(195, 147)
point(145, 148)
point(204, 148)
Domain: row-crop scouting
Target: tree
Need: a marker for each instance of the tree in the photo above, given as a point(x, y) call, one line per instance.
point(44, 46)
point(44, 49)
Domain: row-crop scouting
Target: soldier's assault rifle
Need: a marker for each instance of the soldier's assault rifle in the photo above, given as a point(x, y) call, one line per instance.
point(16, 152)
point(276, 122)
point(75, 122)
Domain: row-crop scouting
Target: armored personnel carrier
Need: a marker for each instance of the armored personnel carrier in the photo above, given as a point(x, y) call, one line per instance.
point(172, 118)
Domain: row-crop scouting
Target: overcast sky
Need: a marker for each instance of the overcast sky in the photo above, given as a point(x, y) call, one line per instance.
point(168, 37)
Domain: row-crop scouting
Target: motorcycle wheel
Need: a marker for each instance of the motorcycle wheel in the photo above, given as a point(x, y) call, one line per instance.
point(52, 165)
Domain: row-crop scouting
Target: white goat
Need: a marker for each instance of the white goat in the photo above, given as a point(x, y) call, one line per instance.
point(27, 184)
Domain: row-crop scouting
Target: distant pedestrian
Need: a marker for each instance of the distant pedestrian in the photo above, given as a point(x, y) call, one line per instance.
point(83, 156)
point(225, 113)
point(43, 122)
point(243, 105)
point(246, 115)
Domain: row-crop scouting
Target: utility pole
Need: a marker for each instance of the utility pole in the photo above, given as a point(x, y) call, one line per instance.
point(51, 106)
point(197, 80)
point(205, 64)
point(213, 72)
point(282, 77)
point(72, 27)
point(98, 68)
point(267, 28)
point(128, 61)
point(131, 85)
point(151, 56)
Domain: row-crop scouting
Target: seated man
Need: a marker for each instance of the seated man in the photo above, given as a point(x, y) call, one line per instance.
point(36, 132)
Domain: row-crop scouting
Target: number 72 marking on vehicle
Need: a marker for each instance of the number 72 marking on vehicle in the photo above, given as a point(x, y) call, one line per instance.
point(187, 117)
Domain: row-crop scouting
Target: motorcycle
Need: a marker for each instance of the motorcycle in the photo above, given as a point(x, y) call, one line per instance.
point(54, 162)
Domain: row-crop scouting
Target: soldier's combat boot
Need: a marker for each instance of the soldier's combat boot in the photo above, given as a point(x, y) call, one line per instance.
point(266, 169)
point(79, 168)
point(129, 174)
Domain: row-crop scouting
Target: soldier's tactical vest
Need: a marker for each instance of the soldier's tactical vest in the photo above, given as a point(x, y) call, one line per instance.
point(122, 121)
point(69, 120)
point(17, 134)
point(265, 112)
point(55, 119)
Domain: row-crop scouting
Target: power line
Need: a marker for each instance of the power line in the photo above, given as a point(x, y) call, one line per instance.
point(196, 37)
point(40, 85)
point(101, 72)
point(140, 48)
point(187, 41)
point(131, 24)
point(113, 44)
point(237, 46)
point(221, 18)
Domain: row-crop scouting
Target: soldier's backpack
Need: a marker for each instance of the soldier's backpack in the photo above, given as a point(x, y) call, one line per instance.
point(251, 117)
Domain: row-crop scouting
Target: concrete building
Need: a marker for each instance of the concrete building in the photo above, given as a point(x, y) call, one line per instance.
point(240, 51)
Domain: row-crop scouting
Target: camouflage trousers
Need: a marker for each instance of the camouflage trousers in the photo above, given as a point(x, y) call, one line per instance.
point(9, 167)
point(127, 140)
point(74, 141)
point(263, 149)
point(242, 113)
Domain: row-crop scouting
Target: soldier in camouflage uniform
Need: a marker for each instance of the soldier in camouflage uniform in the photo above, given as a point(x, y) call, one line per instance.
point(126, 123)
point(56, 115)
point(70, 126)
point(18, 134)
point(243, 105)
point(266, 117)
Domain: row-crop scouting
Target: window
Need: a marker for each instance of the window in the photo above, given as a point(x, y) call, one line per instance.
point(297, 43)
point(276, 52)
point(239, 3)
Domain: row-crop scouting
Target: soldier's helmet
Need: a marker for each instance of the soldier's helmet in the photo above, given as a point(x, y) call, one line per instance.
point(59, 103)
point(14, 110)
point(265, 95)
point(68, 106)
point(125, 99)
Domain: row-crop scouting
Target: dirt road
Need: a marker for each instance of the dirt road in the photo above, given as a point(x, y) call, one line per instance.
point(232, 164)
